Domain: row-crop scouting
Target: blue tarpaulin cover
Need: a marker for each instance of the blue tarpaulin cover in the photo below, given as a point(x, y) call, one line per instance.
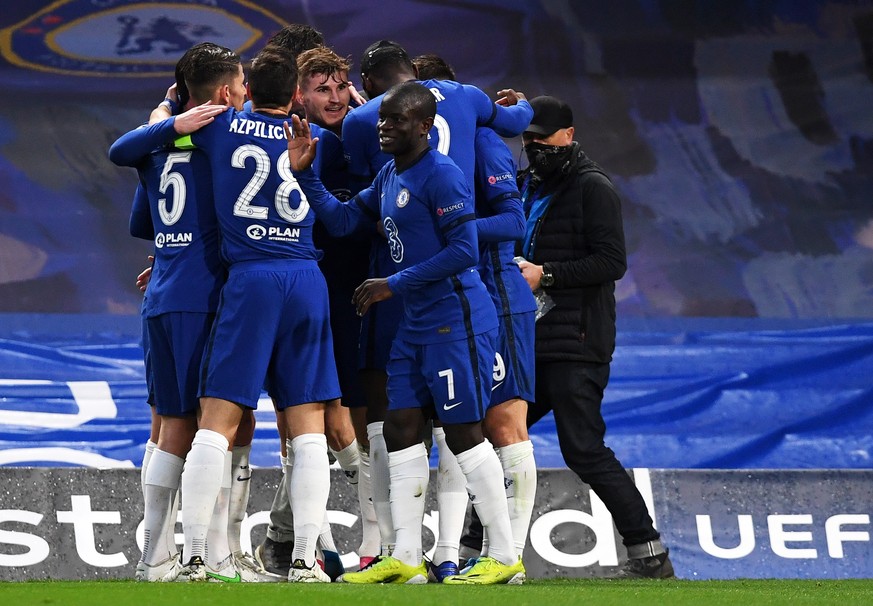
point(731, 394)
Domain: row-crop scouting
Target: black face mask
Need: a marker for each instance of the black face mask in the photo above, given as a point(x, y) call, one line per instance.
point(547, 159)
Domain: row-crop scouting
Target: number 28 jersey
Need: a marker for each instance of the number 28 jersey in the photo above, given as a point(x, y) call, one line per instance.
point(262, 212)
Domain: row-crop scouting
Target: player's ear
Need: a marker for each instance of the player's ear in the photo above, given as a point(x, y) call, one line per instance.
point(248, 91)
point(426, 125)
point(297, 99)
point(367, 86)
point(224, 94)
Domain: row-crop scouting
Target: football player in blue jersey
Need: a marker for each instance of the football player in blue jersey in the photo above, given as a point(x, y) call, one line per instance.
point(444, 348)
point(326, 93)
point(500, 222)
point(275, 553)
point(460, 109)
point(266, 241)
point(175, 203)
point(266, 230)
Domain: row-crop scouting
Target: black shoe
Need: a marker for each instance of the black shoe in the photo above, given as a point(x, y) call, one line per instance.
point(651, 567)
point(333, 565)
point(275, 556)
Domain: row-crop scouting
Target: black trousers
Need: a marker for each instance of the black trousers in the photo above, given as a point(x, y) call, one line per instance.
point(574, 392)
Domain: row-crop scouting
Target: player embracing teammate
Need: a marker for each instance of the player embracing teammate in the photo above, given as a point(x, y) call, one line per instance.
point(445, 361)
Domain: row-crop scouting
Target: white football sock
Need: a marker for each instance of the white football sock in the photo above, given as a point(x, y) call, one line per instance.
point(281, 527)
point(217, 547)
point(171, 521)
point(349, 460)
point(146, 459)
point(161, 484)
point(485, 485)
point(201, 481)
point(380, 477)
point(409, 475)
point(520, 479)
point(308, 489)
point(452, 499)
point(325, 537)
point(369, 525)
point(240, 478)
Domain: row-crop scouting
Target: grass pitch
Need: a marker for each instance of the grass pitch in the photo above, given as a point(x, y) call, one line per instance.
point(551, 592)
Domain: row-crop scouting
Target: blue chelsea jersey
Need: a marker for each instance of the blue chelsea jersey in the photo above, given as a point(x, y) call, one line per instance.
point(187, 274)
point(460, 109)
point(500, 218)
point(427, 214)
point(262, 212)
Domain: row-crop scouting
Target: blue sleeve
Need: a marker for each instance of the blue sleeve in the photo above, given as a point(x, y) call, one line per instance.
point(340, 218)
point(330, 165)
point(506, 121)
point(461, 252)
point(355, 150)
point(496, 190)
point(362, 152)
point(458, 227)
point(140, 217)
point(133, 146)
point(507, 223)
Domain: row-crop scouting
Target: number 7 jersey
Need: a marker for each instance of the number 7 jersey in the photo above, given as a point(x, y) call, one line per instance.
point(262, 212)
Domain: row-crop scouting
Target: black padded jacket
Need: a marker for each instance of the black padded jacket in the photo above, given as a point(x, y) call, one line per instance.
point(580, 239)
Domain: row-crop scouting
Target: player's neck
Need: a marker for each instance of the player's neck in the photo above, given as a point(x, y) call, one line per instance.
point(269, 111)
point(405, 160)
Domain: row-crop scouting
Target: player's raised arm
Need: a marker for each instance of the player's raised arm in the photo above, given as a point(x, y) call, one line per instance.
point(507, 119)
point(301, 145)
point(132, 146)
point(166, 108)
point(340, 218)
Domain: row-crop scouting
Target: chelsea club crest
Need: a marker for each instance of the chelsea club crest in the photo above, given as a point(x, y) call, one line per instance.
point(403, 198)
point(130, 37)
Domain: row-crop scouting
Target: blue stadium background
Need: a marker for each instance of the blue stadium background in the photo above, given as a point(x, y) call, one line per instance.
point(740, 135)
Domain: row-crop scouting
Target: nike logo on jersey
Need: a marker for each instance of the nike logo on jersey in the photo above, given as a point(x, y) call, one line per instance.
point(447, 407)
point(242, 479)
point(496, 385)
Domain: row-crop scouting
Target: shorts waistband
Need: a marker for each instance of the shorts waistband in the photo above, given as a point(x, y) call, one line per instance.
point(274, 265)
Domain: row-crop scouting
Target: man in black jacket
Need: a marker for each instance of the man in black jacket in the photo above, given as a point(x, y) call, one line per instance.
point(574, 246)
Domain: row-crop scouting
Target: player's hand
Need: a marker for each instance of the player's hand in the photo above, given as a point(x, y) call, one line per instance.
point(172, 93)
point(371, 291)
point(162, 112)
point(508, 96)
point(142, 280)
point(356, 96)
point(197, 117)
point(301, 145)
point(533, 274)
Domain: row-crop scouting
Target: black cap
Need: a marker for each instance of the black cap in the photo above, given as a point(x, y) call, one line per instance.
point(380, 51)
point(550, 115)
